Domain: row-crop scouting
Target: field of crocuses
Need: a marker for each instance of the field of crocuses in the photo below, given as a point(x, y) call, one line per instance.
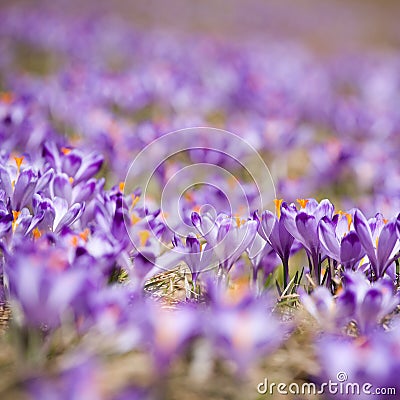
point(184, 216)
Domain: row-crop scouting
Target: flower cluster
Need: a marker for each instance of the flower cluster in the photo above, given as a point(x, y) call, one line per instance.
point(94, 270)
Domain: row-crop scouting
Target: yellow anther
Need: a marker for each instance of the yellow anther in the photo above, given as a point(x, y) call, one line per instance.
point(36, 233)
point(18, 161)
point(278, 203)
point(65, 150)
point(349, 220)
point(385, 221)
point(135, 219)
point(84, 235)
point(143, 236)
point(74, 241)
point(363, 261)
point(135, 200)
point(15, 216)
point(239, 221)
point(71, 180)
point(13, 184)
point(302, 202)
point(348, 217)
point(121, 186)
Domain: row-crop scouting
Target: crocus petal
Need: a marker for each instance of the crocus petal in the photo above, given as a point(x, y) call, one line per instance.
point(363, 230)
point(70, 216)
point(284, 245)
point(307, 228)
point(268, 220)
point(369, 310)
point(324, 208)
point(288, 217)
point(351, 250)
point(52, 155)
point(61, 187)
point(5, 181)
point(71, 163)
point(84, 191)
point(328, 239)
point(387, 241)
point(90, 166)
point(24, 188)
point(43, 181)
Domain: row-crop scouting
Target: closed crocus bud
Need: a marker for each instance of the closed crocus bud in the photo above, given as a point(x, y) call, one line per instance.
point(24, 188)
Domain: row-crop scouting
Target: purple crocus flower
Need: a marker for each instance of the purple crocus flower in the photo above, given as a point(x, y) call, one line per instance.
point(42, 283)
point(374, 360)
point(343, 246)
point(227, 237)
point(6, 217)
point(170, 332)
point(54, 214)
point(18, 184)
point(244, 331)
point(381, 254)
point(197, 256)
point(65, 187)
point(365, 303)
point(79, 376)
point(272, 229)
point(81, 167)
point(303, 225)
point(263, 259)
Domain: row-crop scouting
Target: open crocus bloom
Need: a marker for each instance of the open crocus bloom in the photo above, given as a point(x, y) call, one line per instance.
point(228, 237)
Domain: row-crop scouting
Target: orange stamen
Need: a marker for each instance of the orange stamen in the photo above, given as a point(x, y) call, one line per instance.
point(65, 150)
point(143, 236)
point(74, 241)
point(36, 233)
point(349, 220)
point(18, 161)
point(302, 202)
point(84, 235)
point(278, 204)
point(121, 186)
point(135, 200)
point(15, 216)
point(135, 219)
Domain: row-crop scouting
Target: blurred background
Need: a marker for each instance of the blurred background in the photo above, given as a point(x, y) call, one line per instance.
point(314, 86)
point(333, 25)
